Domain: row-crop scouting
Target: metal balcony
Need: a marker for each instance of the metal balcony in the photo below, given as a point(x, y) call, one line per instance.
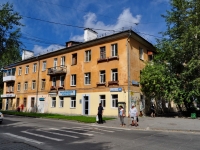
point(9, 78)
point(57, 70)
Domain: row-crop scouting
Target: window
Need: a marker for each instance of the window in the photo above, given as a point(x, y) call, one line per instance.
point(32, 101)
point(141, 53)
point(17, 103)
point(103, 100)
point(74, 59)
point(62, 81)
point(88, 55)
point(61, 102)
point(18, 86)
point(150, 57)
point(54, 81)
point(73, 80)
point(87, 78)
point(114, 50)
point(25, 85)
point(44, 65)
point(53, 102)
point(115, 101)
point(34, 67)
point(73, 102)
point(27, 69)
point(102, 76)
point(33, 84)
point(25, 102)
point(62, 62)
point(20, 71)
point(102, 52)
point(43, 84)
point(114, 75)
point(55, 63)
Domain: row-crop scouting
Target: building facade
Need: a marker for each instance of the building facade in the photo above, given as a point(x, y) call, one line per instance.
point(75, 79)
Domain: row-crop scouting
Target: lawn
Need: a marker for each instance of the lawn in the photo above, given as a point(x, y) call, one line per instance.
point(85, 119)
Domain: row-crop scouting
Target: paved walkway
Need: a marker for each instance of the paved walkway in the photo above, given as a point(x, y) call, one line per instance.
point(160, 123)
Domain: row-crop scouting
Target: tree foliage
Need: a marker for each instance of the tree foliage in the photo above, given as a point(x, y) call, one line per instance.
point(179, 53)
point(10, 45)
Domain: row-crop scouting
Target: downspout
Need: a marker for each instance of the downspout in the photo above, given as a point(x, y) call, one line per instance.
point(37, 85)
point(128, 66)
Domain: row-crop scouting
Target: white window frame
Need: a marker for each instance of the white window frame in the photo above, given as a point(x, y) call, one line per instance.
point(33, 85)
point(20, 71)
point(114, 75)
point(54, 81)
point(87, 78)
point(26, 85)
point(18, 86)
point(114, 50)
point(74, 59)
point(55, 63)
point(62, 80)
point(103, 48)
point(62, 61)
point(44, 65)
point(73, 80)
point(27, 69)
point(102, 76)
point(88, 56)
point(61, 102)
point(73, 102)
point(102, 100)
point(34, 67)
point(141, 53)
point(114, 101)
point(43, 84)
point(53, 102)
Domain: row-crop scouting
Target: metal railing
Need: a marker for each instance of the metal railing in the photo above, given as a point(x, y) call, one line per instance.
point(57, 70)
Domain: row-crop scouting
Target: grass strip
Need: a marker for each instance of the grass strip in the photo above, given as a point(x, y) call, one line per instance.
point(80, 118)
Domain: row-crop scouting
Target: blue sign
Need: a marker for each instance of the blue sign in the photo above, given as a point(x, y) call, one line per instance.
point(115, 89)
point(41, 98)
point(135, 83)
point(67, 93)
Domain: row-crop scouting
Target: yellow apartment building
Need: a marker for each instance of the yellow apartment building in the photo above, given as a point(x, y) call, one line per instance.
point(75, 79)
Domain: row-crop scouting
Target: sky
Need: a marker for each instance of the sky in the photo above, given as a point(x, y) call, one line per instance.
point(49, 24)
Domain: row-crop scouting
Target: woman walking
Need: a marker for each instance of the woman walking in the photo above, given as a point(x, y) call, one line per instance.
point(121, 115)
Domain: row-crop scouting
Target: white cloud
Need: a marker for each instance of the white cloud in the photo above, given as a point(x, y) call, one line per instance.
point(41, 50)
point(90, 21)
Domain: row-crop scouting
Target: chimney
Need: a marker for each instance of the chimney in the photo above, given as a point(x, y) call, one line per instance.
point(27, 54)
point(72, 43)
point(89, 34)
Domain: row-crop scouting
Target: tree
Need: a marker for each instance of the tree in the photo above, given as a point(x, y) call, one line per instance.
point(180, 50)
point(10, 45)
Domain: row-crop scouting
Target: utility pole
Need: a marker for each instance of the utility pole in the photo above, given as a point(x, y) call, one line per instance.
point(37, 85)
point(128, 67)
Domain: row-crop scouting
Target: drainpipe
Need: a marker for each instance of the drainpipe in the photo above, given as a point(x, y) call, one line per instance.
point(128, 66)
point(37, 85)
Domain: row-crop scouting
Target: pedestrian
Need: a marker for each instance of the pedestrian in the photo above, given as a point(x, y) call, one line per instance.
point(100, 113)
point(121, 115)
point(133, 114)
point(152, 110)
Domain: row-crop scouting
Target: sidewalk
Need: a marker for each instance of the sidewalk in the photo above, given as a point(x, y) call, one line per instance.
point(160, 123)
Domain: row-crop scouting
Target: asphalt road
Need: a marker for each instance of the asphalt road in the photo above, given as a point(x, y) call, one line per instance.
point(23, 133)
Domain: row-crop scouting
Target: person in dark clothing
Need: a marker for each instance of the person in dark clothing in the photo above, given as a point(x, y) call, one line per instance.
point(100, 113)
point(152, 110)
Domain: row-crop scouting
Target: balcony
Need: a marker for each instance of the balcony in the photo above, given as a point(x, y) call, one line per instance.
point(113, 83)
point(57, 70)
point(101, 83)
point(102, 60)
point(9, 78)
point(113, 58)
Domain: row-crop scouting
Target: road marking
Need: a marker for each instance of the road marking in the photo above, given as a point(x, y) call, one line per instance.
point(23, 138)
point(110, 127)
point(72, 132)
point(82, 129)
point(57, 133)
point(55, 139)
point(104, 130)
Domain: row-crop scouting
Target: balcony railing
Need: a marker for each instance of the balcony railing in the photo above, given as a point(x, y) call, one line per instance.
point(104, 59)
point(101, 83)
point(9, 78)
point(113, 83)
point(57, 70)
point(113, 58)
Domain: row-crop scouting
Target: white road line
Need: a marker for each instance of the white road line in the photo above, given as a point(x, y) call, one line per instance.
point(72, 132)
point(103, 130)
point(55, 139)
point(82, 129)
point(57, 133)
point(23, 138)
point(110, 127)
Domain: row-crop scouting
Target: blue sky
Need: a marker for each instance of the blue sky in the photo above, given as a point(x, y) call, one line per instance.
point(143, 16)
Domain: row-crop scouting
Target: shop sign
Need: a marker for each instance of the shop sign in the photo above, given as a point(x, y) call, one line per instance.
point(7, 95)
point(52, 94)
point(41, 99)
point(115, 89)
point(67, 93)
point(135, 83)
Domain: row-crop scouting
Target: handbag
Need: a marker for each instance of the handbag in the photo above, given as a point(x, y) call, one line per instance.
point(97, 118)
